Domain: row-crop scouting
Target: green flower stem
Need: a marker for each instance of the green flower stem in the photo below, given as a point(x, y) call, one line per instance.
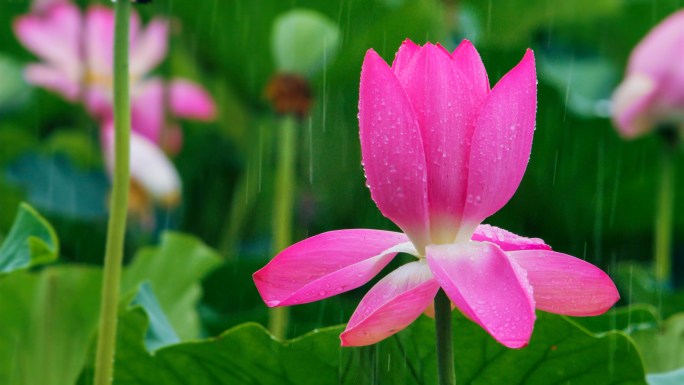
point(104, 361)
point(664, 217)
point(283, 208)
point(445, 339)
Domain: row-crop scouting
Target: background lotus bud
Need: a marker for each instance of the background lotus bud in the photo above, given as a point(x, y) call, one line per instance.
point(303, 42)
point(652, 93)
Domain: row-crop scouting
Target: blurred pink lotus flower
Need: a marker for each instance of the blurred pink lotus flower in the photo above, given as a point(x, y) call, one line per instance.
point(652, 92)
point(77, 51)
point(77, 54)
point(441, 153)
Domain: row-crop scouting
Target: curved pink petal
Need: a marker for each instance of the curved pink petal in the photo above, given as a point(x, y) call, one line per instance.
point(134, 32)
point(392, 150)
point(189, 100)
point(403, 57)
point(147, 109)
point(53, 79)
point(99, 39)
point(501, 143)
point(54, 36)
point(391, 305)
point(327, 264)
point(566, 285)
point(506, 240)
point(468, 60)
point(446, 110)
point(150, 47)
point(488, 287)
point(658, 53)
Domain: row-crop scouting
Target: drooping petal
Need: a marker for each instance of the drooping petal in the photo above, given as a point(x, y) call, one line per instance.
point(501, 144)
point(150, 47)
point(189, 100)
point(392, 150)
point(506, 240)
point(53, 79)
point(446, 110)
point(403, 57)
point(54, 36)
point(488, 287)
point(149, 166)
point(566, 285)
point(327, 264)
point(147, 109)
point(153, 169)
point(468, 60)
point(391, 305)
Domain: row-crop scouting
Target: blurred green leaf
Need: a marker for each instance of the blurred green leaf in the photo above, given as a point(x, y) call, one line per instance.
point(643, 287)
point(47, 318)
point(661, 343)
point(47, 321)
point(160, 333)
point(559, 352)
point(674, 377)
point(11, 197)
point(246, 194)
point(586, 81)
point(174, 269)
point(14, 141)
point(662, 346)
point(31, 241)
point(55, 186)
point(14, 91)
point(512, 23)
point(625, 319)
point(303, 41)
point(77, 145)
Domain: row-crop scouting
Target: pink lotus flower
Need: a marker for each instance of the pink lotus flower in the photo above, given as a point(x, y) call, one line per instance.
point(77, 53)
point(652, 92)
point(441, 153)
